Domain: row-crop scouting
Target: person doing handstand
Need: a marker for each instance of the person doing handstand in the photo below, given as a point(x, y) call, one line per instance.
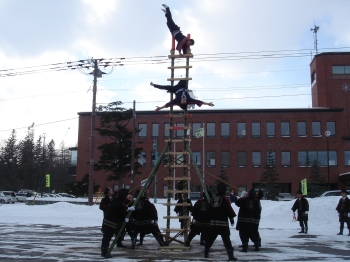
point(182, 97)
point(182, 41)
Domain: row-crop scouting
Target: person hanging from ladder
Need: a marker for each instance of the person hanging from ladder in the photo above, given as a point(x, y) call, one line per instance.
point(182, 97)
point(182, 41)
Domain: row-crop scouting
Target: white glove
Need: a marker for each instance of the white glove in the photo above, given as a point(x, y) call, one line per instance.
point(193, 221)
point(130, 209)
point(126, 220)
point(348, 214)
point(154, 222)
point(306, 212)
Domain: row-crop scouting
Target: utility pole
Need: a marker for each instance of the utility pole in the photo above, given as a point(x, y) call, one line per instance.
point(155, 146)
point(133, 147)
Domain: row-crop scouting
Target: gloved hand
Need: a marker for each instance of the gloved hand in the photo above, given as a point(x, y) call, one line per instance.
point(193, 221)
point(348, 214)
point(132, 208)
point(126, 220)
point(306, 212)
point(151, 84)
point(154, 222)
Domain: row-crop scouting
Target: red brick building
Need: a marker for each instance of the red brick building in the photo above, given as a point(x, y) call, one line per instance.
point(239, 139)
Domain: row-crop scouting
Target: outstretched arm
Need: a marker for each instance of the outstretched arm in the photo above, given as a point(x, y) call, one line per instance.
point(159, 108)
point(208, 104)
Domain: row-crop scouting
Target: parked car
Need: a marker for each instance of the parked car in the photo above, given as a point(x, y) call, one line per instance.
point(21, 197)
point(11, 195)
point(66, 195)
point(4, 199)
point(331, 193)
point(284, 197)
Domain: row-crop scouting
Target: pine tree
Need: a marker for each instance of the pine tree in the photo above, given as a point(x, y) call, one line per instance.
point(270, 176)
point(116, 153)
point(316, 183)
point(222, 175)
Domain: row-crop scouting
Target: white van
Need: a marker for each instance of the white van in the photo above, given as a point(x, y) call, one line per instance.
point(331, 193)
point(11, 195)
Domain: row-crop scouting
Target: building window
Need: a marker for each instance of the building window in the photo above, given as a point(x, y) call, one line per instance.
point(316, 128)
point(166, 131)
point(286, 159)
point(210, 159)
point(270, 129)
point(195, 127)
point(225, 159)
point(155, 130)
point(225, 130)
point(165, 189)
point(197, 158)
point(142, 159)
point(331, 128)
point(210, 129)
point(255, 129)
point(166, 160)
point(347, 158)
point(143, 130)
point(309, 158)
point(179, 133)
point(242, 159)
point(241, 129)
point(341, 70)
point(271, 158)
point(153, 159)
point(256, 159)
point(285, 131)
point(301, 128)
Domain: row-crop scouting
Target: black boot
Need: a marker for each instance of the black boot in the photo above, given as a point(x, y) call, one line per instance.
point(133, 242)
point(259, 242)
point(349, 232)
point(206, 253)
point(302, 230)
point(104, 252)
point(256, 246)
point(306, 228)
point(244, 248)
point(341, 231)
point(120, 244)
point(230, 255)
point(160, 240)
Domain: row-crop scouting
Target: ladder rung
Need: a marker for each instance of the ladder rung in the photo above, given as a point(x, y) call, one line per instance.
point(177, 127)
point(176, 230)
point(178, 140)
point(178, 67)
point(177, 153)
point(176, 217)
point(177, 178)
point(174, 166)
point(179, 78)
point(177, 204)
point(181, 56)
point(177, 191)
point(177, 115)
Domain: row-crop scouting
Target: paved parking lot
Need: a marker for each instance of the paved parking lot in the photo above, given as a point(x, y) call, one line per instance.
point(58, 243)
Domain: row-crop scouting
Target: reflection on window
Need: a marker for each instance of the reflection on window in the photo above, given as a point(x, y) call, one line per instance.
point(256, 159)
point(331, 128)
point(143, 130)
point(301, 128)
point(256, 129)
point(285, 129)
point(155, 130)
point(197, 158)
point(195, 127)
point(211, 159)
point(166, 131)
point(270, 129)
point(225, 129)
point(285, 159)
point(225, 159)
point(210, 129)
point(308, 158)
point(347, 158)
point(241, 129)
point(316, 128)
point(242, 159)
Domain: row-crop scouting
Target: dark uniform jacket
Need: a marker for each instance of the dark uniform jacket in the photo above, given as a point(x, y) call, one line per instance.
point(179, 209)
point(144, 216)
point(302, 205)
point(220, 212)
point(256, 211)
point(104, 204)
point(247, 208)
point(115, 215)
point(343, 209)
point(201, 213)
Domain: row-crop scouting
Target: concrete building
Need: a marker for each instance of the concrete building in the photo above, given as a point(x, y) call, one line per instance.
point(238, 139)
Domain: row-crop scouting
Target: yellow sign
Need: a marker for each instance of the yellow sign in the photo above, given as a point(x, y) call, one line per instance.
point(303, 187)
point(47, 180)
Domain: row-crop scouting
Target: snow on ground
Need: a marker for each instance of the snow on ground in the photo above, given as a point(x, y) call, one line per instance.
point(280, 240)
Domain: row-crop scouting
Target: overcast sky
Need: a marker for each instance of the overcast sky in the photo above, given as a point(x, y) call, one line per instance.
point(248, 54)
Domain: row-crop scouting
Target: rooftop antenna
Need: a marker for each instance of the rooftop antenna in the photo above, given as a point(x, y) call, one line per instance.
point(314, 30)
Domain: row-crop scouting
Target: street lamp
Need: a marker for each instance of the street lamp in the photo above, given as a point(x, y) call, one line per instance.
point(155, 163)
point(327, 134)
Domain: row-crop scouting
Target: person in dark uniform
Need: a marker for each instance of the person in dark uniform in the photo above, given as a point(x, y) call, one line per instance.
point(179, 210)
point(245, 221)
point(145, 221)
point(257, 215)
point(106, 200)
point(182, 41)
point(220, 212)
point(182, 97)
point(302, 205)
point(113, 221)
point(343, 209)
point(201, 220)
